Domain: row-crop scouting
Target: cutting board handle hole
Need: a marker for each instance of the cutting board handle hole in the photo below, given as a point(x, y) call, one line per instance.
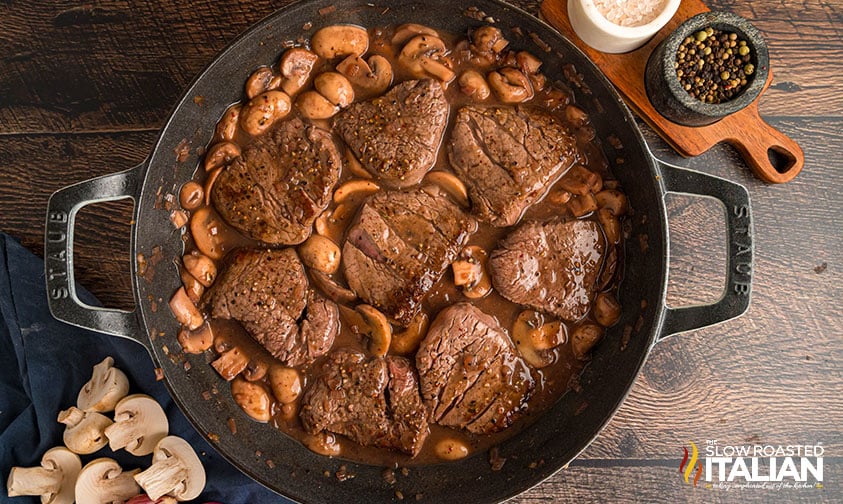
point(781, 159)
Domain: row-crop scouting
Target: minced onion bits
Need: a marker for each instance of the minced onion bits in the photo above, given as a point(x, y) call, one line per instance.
point(714, 66)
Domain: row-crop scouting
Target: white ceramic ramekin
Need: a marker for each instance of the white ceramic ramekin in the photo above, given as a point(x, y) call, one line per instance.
point(604, 35)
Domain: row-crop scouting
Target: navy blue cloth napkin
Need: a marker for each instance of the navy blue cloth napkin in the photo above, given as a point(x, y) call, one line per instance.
point(44, 363)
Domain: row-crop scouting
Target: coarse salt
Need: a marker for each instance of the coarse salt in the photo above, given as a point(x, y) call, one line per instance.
point(630, 12)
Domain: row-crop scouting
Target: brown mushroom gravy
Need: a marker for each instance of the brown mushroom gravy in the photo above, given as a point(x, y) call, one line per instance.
point(400, 230)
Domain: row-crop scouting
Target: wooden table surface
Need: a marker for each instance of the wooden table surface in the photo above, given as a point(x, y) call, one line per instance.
point(86, 86)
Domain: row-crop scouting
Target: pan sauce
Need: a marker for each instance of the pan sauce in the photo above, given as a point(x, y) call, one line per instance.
point(211, 236)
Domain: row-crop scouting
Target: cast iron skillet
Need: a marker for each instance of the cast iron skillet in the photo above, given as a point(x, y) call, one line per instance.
point(557, 436)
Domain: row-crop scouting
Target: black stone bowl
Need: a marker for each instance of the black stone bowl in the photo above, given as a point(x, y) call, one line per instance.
point(663, 86)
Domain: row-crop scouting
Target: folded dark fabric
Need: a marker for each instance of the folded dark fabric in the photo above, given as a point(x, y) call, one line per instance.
point(44, 363)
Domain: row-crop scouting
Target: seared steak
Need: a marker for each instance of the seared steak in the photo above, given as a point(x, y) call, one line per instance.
point(507, 157)
point(373, 401)
point(550, 266)
point(280, 183)
point(266, 291)
point(399, 246)
point(396, 136)
point(470, 373)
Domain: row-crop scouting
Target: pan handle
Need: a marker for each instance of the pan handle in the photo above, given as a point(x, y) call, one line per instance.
point(64, 204)
point(739, 258)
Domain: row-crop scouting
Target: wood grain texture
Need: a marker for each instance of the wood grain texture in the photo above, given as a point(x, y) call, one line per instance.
point(84, 89)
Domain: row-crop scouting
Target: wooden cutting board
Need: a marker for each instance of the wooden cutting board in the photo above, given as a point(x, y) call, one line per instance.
point(771, 154)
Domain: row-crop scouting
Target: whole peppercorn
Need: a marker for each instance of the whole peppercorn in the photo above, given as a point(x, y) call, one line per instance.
point(713, 66)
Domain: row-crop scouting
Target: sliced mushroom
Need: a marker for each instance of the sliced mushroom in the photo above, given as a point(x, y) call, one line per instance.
point(313, 105)
point(226, 128)
point(103, 481)
point(420, 57)
point(263, 110)
point(332, 223)
point(377, 328)
point(355, 189)
point(54, 481)
point(374, 75)
point(231, 363)
point(407, 31)
point(192, 287)
point(139, 423)
point(533, 337)
point(209, 183)
point(453, 186)
point(606, 309)
point(528, 63)
point(221, 154)
point(334, 291)
point(323, 443)
point(470, 272)
point(196, 341)
point(510, 85)
point(175, 471)
point(407, 341)
point(185, 311)
point(191, 195)
point(340, 40)
point(335, 87)
point(610, 265)
point(259, 82)
point(473, 84)
point(576, 116)
point(286, 383)
point(105, 388)
point(84, 431)
point(355, 167)
point(253, 399)
point(201, 267)
point(584, 338)
point(296, 66)
point(320, 253)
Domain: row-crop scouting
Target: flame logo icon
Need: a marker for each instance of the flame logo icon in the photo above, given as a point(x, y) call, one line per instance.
point(686, 467)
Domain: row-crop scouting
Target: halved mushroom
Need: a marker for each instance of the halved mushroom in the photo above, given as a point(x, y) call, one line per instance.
point(488, 39)
point(453, 186)
point(263, 110)
point(374, 75)
point(320, 253)
point(610, 224)
point(580, 180)
point(582, 205)
point(196, 341)
point(407, 31)
point(340, 40)
point(421, 55)
point(356, 189)
point(407, 341)
point(220, 154)
point(201, 267)
point(323, 443)
point(313, 105)
point(296, 65)
point(259, 82)
point(376, 326)
point(253, 399)
point(103, 481)
point(510, 85)
point(84, 433)
point(139, 423)
point(286, 383)
point(576, 116)
point(105, 388)
point(584, 338)
point(335, 87)
point(473, 84)
point(175, 471)
point(528, 63)
point(470, 272)
point(613, 200)
point(210, 233)
point(185, 311)
point(192, 287)
point(533, 337)
point(54, 481)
